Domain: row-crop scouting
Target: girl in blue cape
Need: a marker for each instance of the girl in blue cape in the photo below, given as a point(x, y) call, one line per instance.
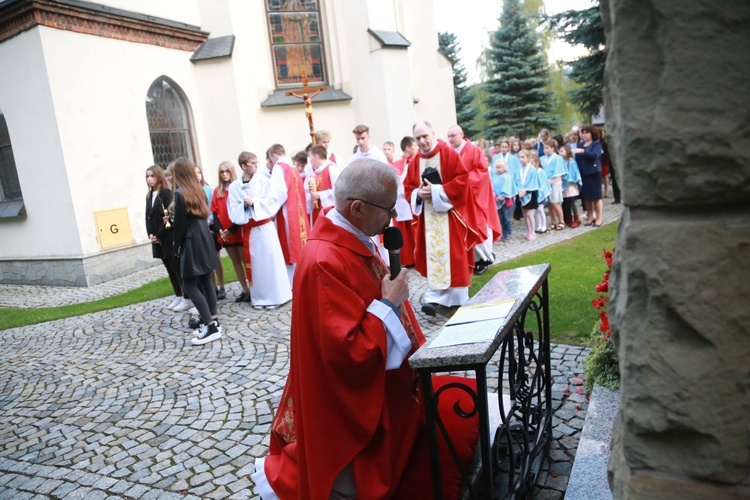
point(529, 188)
point(571, 187)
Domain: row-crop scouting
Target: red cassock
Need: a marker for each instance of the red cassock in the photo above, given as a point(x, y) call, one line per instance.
point(296, 215)
point(323, 183)
point(462, 218)
point(339, 404)
point(481, 185)
point(407, 231)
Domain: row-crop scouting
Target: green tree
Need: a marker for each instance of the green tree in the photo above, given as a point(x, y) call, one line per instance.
point(464, 100)
point(519, 100)
point(584, 27)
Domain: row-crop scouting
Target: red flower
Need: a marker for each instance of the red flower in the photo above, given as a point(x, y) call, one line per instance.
point(605, 322)
point(605, 276)
point(598, 303)
point(607, 257)
point(602, 287)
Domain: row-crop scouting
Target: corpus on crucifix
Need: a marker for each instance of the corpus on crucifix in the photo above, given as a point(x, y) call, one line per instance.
point(304, 94)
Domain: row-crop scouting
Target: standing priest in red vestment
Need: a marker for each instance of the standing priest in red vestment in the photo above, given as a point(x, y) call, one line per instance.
point(488, 222)
point(446, 226)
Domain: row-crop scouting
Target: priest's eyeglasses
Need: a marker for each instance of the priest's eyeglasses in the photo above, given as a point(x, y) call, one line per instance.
point(381, 207)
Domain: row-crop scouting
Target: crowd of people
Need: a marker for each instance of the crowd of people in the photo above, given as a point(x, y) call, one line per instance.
point(475, 194)
point(309, 229)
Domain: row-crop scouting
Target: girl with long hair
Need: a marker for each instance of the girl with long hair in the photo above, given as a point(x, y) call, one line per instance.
point(158, 199)
point(195, 248)
point(229, 235)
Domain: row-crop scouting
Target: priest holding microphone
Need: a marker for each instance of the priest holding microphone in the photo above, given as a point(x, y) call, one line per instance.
point(350, 420)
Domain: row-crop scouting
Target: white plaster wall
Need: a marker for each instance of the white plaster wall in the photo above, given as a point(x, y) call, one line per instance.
point(184, 11)
point(99, 88)
point(432, 75)
point(50, 228)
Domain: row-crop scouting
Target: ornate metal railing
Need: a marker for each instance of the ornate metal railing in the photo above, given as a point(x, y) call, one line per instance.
point(506, 466)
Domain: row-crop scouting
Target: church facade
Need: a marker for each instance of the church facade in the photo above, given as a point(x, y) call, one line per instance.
point(92, 94)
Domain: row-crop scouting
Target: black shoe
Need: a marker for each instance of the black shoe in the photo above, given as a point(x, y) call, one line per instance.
point(616, 202)
point(480, 268)
point(221, 294)
point(206, 334)
point(247, 297)
point(240, 297)
point(194, 323)
point(429, 309)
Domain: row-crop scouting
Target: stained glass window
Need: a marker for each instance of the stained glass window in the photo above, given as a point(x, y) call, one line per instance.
point(168, 116)
point(296, 41)
point(10, 188)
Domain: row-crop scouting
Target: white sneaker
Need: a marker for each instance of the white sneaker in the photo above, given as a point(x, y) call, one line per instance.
point(206, 334)
point(272, 306)
point(174, 302)
point(184, 305)
point(258, 307)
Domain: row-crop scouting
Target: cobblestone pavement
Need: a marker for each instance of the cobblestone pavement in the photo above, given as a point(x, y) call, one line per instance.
point(119, 404)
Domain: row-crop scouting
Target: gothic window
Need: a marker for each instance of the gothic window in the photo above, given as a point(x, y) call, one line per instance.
point(10, 188)
point(296, 41)
point(169, 124)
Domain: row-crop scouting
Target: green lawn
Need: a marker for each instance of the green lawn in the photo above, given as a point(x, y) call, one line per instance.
point(577, 266)
point(11, 317)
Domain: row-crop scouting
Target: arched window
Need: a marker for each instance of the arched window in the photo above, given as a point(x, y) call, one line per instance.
point(169, 123)
point(10, 188)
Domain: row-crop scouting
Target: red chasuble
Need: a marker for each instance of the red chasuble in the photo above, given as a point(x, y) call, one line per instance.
point(296, 215)
point(462, 218)
point(481, 184)
point(339, 404)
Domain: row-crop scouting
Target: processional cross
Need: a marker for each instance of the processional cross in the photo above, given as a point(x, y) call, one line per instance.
point(304, 94)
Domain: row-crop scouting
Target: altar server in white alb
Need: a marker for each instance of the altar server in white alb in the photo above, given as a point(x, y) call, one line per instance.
point(251, 203)
point(288, 204)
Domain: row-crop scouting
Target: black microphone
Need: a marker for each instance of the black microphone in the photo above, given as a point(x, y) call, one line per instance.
point(393, 240)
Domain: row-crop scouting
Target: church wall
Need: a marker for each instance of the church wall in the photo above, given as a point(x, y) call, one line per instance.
point(102, 120)
point(432, 75)
point(50, 228)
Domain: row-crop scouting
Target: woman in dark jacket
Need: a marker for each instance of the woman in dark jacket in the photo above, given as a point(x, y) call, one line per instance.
point(195, 248)
point(158, 198)
point(588, 154)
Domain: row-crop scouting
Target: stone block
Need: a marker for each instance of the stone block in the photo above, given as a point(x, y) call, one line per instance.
point(676, 117)
point(682, 327)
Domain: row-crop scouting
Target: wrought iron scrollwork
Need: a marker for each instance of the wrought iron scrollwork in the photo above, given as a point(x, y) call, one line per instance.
point(521, 440)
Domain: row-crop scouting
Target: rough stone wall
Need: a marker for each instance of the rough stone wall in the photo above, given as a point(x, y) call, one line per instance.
point(679, 126)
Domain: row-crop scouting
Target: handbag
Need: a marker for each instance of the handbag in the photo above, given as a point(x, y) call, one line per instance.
point(509, 202)
point(518, 213)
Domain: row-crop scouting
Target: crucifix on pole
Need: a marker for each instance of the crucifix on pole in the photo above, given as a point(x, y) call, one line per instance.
point(304, 94)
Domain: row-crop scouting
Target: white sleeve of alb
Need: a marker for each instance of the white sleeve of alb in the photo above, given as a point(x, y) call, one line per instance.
point(398, 343)
point(440, 201)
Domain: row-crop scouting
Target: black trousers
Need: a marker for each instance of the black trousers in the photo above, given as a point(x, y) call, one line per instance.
point(202, 294)
point(569, 209)
point(173, 270)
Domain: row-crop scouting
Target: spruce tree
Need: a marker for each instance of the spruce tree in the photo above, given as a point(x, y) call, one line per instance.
point(464, 107)
point(519, 101)
point(584, 27)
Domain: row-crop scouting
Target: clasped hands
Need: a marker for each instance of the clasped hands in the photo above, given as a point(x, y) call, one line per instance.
point(425, 190)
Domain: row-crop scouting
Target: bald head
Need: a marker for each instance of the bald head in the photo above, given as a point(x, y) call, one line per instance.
point(372, 181)
point(425, 136)
point(455, 135)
